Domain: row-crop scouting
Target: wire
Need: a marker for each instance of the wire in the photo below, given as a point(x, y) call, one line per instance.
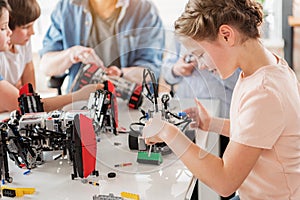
point(148, 72)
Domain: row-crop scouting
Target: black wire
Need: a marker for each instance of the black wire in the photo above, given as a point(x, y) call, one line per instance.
point(142, 117)
point(176, 116)
point(185, 120)
point(145, 85)
point(154, 85)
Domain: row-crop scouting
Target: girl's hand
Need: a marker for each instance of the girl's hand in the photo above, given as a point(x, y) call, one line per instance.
point(201, 118)
point(155, 128)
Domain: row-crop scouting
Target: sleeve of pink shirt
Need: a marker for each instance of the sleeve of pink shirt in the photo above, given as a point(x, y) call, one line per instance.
point(260, 119)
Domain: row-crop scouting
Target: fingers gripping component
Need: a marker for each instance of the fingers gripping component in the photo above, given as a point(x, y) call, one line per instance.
point(169, 133)
point(155, 126)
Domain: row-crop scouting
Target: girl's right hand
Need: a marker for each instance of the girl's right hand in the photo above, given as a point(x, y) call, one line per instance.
point(201, 118)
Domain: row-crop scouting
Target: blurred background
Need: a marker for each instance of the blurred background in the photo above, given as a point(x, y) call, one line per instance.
point(277, 34)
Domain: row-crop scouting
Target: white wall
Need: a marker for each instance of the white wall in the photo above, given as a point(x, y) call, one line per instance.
point(42, 23)
point(170, 10)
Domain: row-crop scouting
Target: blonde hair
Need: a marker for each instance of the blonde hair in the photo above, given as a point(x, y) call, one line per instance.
point(202, 18)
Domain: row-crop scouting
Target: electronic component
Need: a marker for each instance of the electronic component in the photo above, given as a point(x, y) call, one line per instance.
point(159, 105)
point(54, 121)
point(29, 121)
point(94, 183)
point(123, 164)
point(153, 158)
point(69, 116)
point(16, 192)
point(111, 175)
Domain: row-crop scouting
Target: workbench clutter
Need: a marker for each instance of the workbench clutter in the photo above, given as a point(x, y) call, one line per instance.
point(27, 136)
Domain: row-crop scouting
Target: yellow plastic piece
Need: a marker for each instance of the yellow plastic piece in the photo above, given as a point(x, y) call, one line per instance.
point(20, 191)
point(28, 190)
point(130, 195)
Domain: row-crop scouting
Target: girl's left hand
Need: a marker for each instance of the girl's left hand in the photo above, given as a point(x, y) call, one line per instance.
point(201, 118)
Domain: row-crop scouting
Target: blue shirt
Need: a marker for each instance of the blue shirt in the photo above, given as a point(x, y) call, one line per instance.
point(140, 34)
point(1, 78)
point(201, 84)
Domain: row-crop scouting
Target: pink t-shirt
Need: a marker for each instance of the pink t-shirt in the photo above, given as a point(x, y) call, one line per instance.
point(265, 113)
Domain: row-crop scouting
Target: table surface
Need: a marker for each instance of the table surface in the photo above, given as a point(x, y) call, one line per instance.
point(52, 180)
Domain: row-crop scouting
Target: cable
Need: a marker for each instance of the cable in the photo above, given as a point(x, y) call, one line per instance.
point(154, 86)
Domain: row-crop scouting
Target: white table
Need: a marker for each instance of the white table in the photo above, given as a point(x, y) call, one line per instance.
point(168, 181)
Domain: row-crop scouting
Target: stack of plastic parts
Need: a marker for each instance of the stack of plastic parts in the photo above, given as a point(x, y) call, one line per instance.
point(152, 158)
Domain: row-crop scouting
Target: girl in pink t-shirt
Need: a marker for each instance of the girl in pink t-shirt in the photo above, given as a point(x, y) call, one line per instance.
point(262, 159)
